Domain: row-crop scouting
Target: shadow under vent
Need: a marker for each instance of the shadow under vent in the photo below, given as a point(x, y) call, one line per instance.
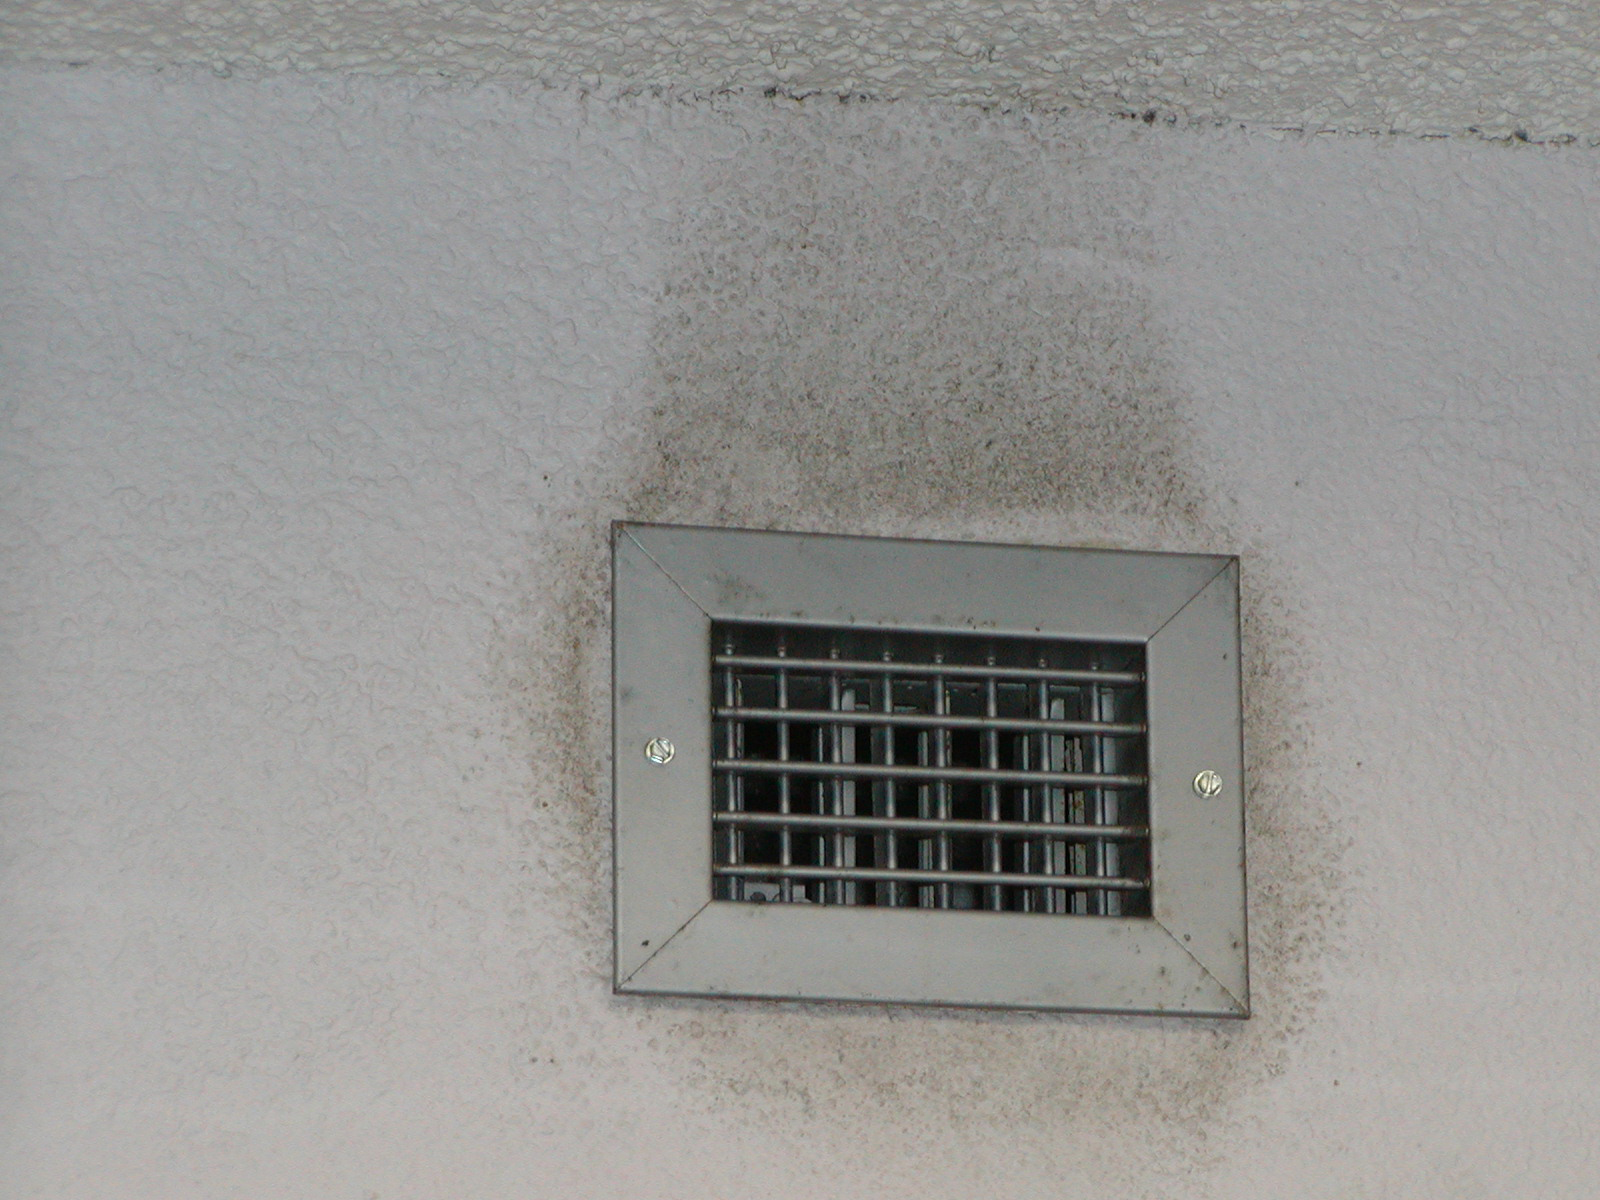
point(898, 769)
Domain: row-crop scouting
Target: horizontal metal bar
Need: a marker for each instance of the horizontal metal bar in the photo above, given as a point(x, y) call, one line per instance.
point(981, 878)
point(930, 721)
point(844, 770)
point(948, 670)
point(933, 825)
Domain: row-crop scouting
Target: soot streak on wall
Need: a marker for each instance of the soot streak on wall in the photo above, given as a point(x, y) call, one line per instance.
point(942, 334)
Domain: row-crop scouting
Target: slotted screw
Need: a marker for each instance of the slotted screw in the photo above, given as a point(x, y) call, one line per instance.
point(1208, 784)
point(659, 751)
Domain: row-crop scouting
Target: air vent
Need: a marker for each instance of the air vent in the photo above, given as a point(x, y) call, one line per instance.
point(941, 771)
point(921, 772)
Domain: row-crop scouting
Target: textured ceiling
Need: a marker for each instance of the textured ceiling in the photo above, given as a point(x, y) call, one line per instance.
point(1505, 68)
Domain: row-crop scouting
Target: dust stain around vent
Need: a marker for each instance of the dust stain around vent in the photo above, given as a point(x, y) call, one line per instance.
point(941, 333)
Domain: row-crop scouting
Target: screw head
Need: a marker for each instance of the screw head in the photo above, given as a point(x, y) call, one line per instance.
point(1208, 784)
point(659, 751)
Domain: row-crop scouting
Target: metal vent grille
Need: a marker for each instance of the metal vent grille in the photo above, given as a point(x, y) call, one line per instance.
point(831, 753)
point(899, 769)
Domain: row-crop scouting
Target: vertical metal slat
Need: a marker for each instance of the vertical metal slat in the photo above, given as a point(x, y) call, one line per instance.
point(1031, 748)
point(733, 731)
point(991, 791)
point(891, 854)
point(1056, 807)
point(1097, 700)
point(1111, 812)
point(941, 787)
point(1078, 811)
point(848, 737)
point(837, 839)
point(785, 795)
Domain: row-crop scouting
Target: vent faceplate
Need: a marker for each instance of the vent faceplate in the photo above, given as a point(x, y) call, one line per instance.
point(936, 771)
point(919, 772)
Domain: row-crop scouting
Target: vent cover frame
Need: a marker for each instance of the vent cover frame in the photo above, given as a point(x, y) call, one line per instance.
point(670, 583)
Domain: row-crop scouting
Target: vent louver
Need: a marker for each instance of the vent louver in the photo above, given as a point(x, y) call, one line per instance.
point(905, 770)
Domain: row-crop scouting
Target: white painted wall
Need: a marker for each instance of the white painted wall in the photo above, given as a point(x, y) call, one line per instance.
point(316, 393)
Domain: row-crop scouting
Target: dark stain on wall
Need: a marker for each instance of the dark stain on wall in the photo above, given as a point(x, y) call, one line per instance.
point(943, 333)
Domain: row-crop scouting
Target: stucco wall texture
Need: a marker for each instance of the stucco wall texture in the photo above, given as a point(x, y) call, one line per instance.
point(317, 393)
point(1504, 68)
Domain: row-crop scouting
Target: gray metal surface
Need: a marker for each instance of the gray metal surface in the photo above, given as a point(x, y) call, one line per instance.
point(990, 878)
point(1088, 594)
point(932, 825)
point(1199, 869)
point(908, 956)
point(987, 775)
point(921, 721)
point(839, 666)
point(891, 925)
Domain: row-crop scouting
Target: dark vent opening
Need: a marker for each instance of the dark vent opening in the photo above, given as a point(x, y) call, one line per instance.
point(889, 768)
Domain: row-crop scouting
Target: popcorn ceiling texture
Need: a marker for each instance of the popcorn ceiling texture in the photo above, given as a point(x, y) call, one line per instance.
point(317, 394)
point(1505, 68)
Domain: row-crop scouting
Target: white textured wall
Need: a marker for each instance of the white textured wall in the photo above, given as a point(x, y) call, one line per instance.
point(1505, 68)
point(316, 395)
